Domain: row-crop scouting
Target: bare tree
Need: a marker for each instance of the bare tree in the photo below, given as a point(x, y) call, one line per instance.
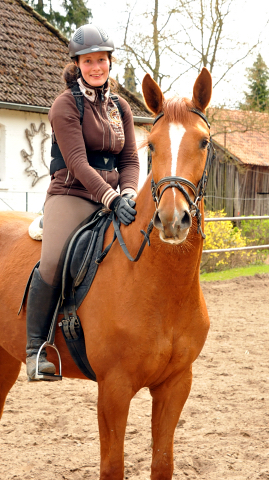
point(147, 39)
point(206, 41)
point(189, 34)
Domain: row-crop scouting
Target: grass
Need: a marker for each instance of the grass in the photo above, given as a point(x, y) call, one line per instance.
point(234, 273)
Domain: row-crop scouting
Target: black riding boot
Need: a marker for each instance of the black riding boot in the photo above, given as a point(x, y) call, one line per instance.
point(41, 304)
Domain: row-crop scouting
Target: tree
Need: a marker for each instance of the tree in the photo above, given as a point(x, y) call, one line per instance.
point(186, 35)
point(38, 5)
point(258, 98)
point(76, 14)
point(207, 43)
point(146, 49)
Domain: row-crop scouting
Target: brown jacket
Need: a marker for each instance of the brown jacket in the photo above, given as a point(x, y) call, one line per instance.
point(102, 130)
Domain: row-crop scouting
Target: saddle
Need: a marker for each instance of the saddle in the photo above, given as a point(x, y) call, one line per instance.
point(81, 263)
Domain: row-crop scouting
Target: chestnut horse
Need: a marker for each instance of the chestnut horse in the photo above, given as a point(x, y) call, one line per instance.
point(144, 323)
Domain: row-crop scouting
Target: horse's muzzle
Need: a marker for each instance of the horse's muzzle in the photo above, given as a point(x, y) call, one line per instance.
point(173, 229)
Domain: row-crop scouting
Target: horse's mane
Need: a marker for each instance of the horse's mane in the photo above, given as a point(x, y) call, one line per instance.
point(177, 109)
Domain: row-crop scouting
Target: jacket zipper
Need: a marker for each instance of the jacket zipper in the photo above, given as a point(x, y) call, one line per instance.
point(67, 177)
point(102, 99)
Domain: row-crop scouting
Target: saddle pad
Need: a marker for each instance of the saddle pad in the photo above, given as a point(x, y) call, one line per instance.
point(35, 229)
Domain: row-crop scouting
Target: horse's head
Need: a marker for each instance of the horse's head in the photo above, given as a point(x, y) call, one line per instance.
point(179, 142)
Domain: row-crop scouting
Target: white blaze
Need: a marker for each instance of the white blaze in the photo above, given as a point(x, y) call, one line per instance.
point(176, 132)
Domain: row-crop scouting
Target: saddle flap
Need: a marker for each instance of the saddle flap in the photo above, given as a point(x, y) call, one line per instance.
point(82, 256)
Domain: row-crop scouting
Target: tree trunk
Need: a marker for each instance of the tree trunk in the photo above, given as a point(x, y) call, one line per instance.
point(156, 42)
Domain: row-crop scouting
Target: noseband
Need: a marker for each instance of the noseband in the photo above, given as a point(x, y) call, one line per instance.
point(178, 182)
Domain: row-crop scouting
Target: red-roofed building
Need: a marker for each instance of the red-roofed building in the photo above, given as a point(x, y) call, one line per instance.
point(239, 179)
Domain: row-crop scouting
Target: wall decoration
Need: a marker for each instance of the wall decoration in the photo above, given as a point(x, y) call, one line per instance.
point(32, 169)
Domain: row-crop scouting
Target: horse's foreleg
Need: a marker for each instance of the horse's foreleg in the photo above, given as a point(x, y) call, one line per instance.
point(113, 406)
point(9, 371)
point(168, 401)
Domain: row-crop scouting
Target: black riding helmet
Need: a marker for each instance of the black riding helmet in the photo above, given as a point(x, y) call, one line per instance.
point(90, 38)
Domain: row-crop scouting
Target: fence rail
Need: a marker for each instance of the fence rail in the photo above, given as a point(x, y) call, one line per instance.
point(237, 249)
point(234, 219)
point(22, 201)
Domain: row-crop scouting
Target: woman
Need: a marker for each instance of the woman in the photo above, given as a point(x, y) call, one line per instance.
point(84, 178)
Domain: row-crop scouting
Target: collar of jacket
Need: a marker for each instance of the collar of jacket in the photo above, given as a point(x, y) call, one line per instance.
point(91, 93)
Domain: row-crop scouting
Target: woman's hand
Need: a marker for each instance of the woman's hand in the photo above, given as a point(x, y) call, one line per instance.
point(123, 207)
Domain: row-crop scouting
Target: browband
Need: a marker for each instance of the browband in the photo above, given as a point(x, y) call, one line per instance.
point(194, 110)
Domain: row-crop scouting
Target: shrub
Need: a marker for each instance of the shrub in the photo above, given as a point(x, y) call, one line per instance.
point(220, 235)
point(255, 231)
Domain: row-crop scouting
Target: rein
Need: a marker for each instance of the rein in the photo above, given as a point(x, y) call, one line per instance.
point(178, 182)
point(118, 235)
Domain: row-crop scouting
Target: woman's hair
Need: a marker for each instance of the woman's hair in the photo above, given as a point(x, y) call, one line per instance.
point(71, 72)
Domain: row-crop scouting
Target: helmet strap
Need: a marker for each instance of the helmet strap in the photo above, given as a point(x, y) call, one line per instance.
point(105, 85)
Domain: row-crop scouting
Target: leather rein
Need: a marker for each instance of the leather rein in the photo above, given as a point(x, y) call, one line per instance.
point(178, 182)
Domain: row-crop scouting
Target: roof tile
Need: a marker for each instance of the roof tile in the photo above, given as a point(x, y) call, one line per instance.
point(244, 134)
point(33, 55)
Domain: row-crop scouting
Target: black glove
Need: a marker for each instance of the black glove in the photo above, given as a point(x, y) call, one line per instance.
point(123, 209)
point(128, 197)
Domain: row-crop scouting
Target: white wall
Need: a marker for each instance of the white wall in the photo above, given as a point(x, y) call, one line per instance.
point(26, 190)
point(141, 136)
point(15, 181)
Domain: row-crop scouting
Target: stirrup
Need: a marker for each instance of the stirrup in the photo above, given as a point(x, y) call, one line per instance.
point(47, 376)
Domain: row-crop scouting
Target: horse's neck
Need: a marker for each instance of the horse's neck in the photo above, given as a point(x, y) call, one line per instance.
point(145, 203)
point(145, 208)
point(175, 258)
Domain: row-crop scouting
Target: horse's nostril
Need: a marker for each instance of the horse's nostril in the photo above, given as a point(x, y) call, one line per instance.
point(157, 221)
point(186, 220)
point(172, 227)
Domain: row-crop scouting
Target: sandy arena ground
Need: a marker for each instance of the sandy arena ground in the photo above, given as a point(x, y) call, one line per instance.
point(49, 430)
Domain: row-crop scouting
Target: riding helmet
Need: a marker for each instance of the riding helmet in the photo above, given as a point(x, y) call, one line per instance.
point(90, 38)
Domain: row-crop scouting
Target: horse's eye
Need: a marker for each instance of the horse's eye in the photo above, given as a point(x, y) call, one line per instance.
point(204, 143)
point(151, 147)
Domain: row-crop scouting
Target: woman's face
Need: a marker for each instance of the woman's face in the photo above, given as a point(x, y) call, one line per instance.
point(94, 68)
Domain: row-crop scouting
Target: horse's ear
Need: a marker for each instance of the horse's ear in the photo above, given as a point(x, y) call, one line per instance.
point(202, 90)
point(152, 94)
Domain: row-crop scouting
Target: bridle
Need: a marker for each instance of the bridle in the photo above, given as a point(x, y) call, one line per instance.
point(169, 182)
point(178, 182)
